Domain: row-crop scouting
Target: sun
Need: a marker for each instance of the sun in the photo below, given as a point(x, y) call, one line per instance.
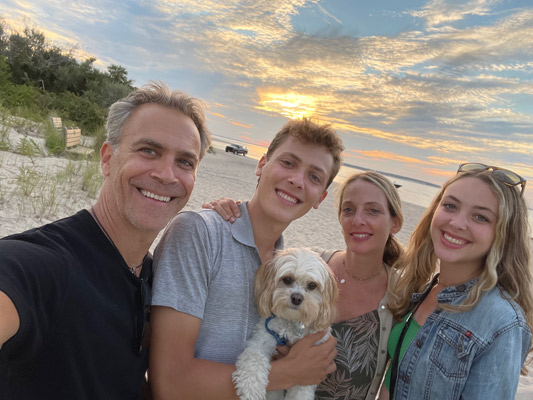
point(291, 105)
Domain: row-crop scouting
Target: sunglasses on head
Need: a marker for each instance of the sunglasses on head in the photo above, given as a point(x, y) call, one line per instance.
point(510, 178)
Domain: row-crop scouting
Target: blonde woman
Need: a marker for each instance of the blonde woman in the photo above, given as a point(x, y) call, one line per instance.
point(466, 331)
point(370, 213)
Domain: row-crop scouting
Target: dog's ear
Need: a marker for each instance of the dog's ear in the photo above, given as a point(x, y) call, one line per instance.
point(264, 285)
point(328, 307)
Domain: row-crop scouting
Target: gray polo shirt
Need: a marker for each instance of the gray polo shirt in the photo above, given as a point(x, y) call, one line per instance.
point(205, 266)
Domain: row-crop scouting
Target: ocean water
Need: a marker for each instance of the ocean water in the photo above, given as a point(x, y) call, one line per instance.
point(411, 191)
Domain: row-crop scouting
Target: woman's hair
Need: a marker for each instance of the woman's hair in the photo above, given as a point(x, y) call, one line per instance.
point(393, 249)
point(156, 93)
point(506, 264)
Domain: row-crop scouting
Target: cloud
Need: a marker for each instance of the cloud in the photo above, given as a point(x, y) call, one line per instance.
point(291, 105)
point(378, 81)
point(236, 123)
point(438, 12)
point(328, 15)
point(390, 156)
point(242, 125)
point(438, 172)
point(448, 86)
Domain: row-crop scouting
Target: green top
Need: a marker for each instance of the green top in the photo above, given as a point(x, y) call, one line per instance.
point(393, 341)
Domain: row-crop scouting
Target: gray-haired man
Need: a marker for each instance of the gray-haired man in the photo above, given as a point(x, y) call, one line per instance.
point(74, 294)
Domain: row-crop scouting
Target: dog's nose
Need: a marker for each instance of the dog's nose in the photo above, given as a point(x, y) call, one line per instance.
point(296, 299)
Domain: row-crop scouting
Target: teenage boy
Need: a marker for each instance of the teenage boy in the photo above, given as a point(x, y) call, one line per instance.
point(74, 294)
point(203, 308)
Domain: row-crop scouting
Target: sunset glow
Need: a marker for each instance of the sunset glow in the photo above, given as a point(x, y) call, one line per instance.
point(413, 88)
point(290, 105)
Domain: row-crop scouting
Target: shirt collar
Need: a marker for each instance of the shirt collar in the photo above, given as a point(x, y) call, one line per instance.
point(449, 293)
point(243, 231)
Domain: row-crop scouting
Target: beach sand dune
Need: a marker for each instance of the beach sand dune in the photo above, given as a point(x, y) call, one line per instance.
point(221, 174)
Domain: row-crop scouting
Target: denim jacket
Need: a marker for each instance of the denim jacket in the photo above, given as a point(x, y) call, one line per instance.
point(475, 354)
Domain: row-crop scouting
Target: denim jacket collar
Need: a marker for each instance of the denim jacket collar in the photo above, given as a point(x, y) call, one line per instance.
point(449, 294)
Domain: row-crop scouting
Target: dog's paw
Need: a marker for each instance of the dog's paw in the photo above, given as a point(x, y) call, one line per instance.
point(251, 377)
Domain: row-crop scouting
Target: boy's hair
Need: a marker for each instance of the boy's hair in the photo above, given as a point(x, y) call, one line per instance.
point(157, 93)
point(307, 131)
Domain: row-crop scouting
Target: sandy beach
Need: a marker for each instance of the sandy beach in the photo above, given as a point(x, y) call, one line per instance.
point(25, 205)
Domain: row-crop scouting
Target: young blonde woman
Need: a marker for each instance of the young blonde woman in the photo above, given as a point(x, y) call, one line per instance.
point(466, 331)
point(370, 213)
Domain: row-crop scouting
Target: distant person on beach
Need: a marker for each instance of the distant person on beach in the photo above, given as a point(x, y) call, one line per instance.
point(75, 294)
point(464, 332)
point(370, 213)
point(202, 308)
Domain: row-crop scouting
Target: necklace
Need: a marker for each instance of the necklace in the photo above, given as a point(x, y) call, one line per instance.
point(133, 270)
point(356, 278)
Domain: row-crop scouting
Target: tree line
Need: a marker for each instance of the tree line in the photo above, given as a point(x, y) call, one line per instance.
point(38, 79)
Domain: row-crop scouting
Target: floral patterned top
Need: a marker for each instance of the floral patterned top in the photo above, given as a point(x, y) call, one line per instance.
point(357, 346)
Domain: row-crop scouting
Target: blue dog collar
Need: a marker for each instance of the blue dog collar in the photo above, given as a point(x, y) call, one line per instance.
point(281, 341)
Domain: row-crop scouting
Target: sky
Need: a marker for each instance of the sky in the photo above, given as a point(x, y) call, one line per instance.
point(414, 88)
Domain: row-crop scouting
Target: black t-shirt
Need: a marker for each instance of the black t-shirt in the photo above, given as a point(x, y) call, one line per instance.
point(81, 314)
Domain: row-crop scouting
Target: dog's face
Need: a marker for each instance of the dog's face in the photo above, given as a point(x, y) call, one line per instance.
point(297, 285)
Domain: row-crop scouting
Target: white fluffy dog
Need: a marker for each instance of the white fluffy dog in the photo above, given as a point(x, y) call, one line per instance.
point(295, 293)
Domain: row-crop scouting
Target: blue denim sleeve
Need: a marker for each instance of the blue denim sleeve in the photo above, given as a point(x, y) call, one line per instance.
point(495, 372)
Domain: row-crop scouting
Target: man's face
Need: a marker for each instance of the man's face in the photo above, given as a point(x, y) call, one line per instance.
point(151, 177)
point(293, 179)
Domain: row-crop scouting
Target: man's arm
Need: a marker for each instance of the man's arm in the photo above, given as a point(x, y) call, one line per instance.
point(176, 374)
point(9, 319)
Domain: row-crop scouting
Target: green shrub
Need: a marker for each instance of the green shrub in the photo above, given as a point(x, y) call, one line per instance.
point(53, 139)
point(87, 115)
point(15, 97)
point(27, 180)
point(28, 147)
point(91, 179)
point(100, 136)
point(5, 145)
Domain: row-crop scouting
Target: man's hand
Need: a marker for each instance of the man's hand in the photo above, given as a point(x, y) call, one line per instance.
point(305, 364)
point(226, 207)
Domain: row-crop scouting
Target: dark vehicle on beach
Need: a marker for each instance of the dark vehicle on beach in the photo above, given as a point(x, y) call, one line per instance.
point(237, 149)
